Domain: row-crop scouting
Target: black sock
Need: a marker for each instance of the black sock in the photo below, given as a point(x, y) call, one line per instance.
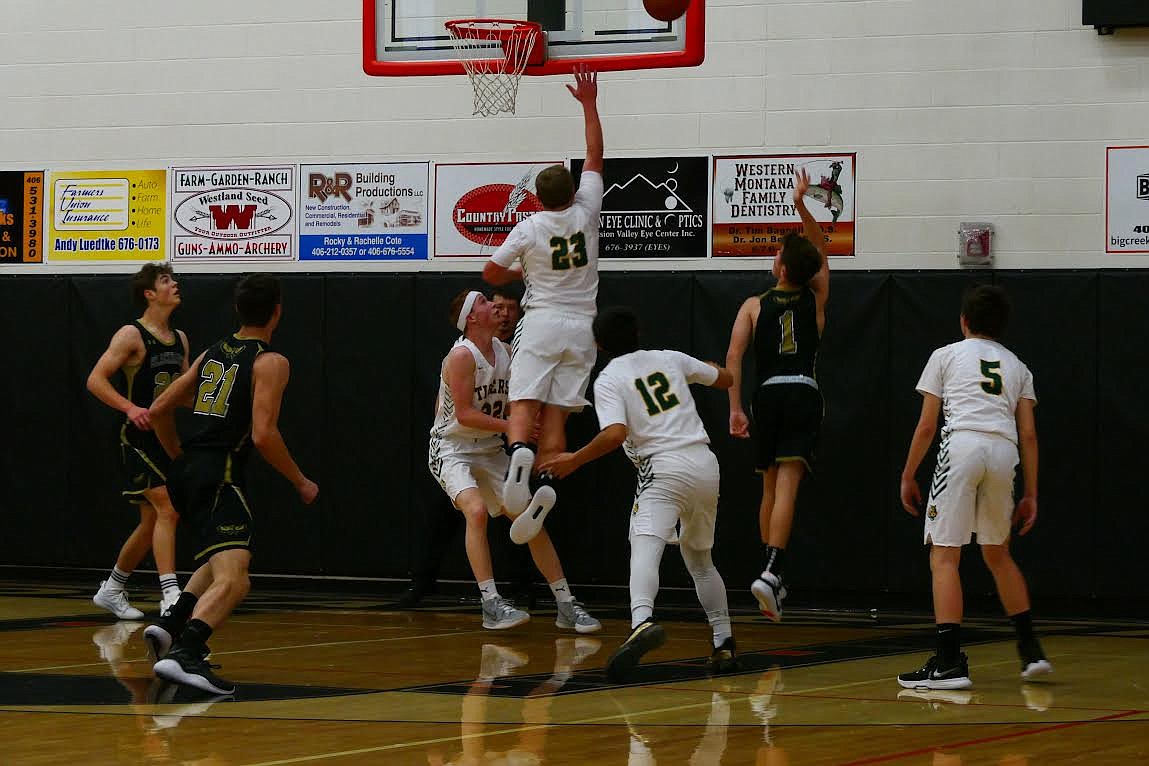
point(177, 616)
point(774, 558)
point(1023, 624)
point(195, 636)
point(949, 644)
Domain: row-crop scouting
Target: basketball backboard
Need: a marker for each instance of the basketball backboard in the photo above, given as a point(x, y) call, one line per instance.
point(403, 38)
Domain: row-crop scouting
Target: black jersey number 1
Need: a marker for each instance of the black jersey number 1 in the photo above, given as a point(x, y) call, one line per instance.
point(568, 253)
point(215, 388)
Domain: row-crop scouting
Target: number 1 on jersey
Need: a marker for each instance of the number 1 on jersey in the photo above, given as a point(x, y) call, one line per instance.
point(788, 344)
point(214, 388)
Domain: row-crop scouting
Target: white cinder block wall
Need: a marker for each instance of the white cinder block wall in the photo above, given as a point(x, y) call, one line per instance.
point(995, 110)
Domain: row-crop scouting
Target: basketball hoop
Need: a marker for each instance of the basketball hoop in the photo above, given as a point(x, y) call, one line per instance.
point(495, 53)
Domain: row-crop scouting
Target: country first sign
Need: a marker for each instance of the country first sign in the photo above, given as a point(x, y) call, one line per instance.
point(107, 215)
point(754, 202)
point(233, 214)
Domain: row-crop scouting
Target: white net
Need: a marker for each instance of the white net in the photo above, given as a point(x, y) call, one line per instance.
point(494, 54)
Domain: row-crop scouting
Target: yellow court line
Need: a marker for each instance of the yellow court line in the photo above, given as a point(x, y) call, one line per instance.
point(274, 649)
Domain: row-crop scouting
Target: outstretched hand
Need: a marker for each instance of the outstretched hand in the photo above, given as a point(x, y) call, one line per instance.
point(560, 466)
point(585, 88)
point(801, 184)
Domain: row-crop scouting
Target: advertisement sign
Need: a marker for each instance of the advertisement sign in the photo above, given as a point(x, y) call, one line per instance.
point(233, 214)
point(107, 215)
point(21, 216)
point(477, 205)
point(754, 204)
point(368, 212)
point(653, 207)
point(1127, 199)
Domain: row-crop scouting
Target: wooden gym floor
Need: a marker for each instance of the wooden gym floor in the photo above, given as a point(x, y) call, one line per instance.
point(347, 680)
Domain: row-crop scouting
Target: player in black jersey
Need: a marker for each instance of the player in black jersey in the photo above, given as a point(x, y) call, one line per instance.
point(148, 354)
point(235, 390)
point(785, 325)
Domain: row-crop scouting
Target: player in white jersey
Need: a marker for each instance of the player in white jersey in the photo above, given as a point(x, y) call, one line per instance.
point(987, 395)
point(554, 351)
point(467, 458)
point(643, 401)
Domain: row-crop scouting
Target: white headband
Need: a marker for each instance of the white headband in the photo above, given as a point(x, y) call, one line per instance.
point(468, 304)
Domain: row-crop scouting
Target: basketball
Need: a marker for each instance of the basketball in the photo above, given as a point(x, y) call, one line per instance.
point(666, 10)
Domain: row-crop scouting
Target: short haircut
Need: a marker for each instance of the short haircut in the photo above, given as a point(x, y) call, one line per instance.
point(256, 297)
point(801, 258)
point(457, 306)
point(616, 330)
point(986, 310)
point(512, 291)
point(554, 187)
point(145, 279)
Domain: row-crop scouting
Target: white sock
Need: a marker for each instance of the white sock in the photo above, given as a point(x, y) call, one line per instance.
point(168, 583)
point(711, 592)
point(488, 590)
point(561, 590)
point(117, 580)
point(645, 557)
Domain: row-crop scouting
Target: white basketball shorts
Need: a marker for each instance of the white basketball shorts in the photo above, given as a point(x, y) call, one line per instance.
point(552, 356)
point(456, 471)
point(972, 490)
point(678, 487)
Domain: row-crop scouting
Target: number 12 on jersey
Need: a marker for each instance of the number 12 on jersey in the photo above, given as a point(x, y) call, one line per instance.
point(659, 397)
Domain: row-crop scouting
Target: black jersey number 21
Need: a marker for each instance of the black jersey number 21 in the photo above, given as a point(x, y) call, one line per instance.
point(215, 388)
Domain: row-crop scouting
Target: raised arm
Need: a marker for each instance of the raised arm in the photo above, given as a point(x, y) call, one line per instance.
point(1026, 514)
point(460, 372)
point(910, 493)
point(585, 91)
point(812, 230)
point(125, 346)
point(271, 372)
point(740, 336)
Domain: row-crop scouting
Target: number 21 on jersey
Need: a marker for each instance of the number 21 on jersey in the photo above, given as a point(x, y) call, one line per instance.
point(214, 388)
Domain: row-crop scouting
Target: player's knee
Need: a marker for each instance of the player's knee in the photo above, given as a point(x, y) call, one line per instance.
point(996, 556)
point(165, 514)
point(944, 557)
point(476, 514)
point(699, 563)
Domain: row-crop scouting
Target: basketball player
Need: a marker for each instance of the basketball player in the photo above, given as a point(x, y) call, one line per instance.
point(643, 401)
point(988, 399)
point(468, 459)
point(785, 324)
point(554, 346)
point(442, 520)
point(235, 391)
point(150, 355)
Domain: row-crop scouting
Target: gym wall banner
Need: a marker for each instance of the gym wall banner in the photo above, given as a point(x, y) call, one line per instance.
point(107, 215)
point(375, 212)
point(233, 214)
point(477, 205)
point(754, 204)
point(1127, 199)
point(21, 216)
point(653, 207)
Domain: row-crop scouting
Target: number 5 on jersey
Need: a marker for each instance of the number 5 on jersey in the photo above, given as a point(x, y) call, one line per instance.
point(214, 388)
point(568, 253)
